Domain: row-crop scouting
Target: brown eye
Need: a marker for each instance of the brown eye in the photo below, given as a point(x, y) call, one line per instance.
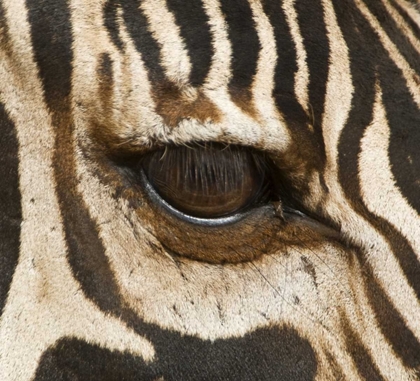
point(208, 181)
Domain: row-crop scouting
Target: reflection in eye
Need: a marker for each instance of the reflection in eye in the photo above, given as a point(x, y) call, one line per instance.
point(208, 181)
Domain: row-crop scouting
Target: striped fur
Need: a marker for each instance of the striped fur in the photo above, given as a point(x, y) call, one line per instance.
point(329, 89)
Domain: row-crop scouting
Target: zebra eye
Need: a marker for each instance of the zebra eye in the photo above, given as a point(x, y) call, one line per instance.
point(209, 181)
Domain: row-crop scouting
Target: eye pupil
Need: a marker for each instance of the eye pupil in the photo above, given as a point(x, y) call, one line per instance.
point(208, 181)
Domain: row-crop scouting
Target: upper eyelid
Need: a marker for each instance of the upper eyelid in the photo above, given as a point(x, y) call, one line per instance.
point(210, 182)
point(208, 222)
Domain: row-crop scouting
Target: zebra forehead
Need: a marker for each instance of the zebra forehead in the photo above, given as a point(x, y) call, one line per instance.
point(136, 99)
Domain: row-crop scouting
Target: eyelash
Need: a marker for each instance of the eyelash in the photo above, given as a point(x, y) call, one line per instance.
point(207, 181)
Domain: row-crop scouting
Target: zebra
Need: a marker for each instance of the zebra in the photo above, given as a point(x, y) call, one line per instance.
point(209, 190)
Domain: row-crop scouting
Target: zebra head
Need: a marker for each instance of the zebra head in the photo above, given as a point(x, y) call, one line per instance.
point(209, 190)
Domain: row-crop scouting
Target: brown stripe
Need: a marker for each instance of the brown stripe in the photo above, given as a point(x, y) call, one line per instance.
point(174, 105)
point(105, 75)
point(172, 102)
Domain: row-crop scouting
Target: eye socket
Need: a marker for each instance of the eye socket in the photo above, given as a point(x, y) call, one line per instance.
point(209, 181)
point(213, 203)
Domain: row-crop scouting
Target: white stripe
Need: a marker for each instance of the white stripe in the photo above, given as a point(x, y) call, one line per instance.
point(338, 98)
point(219, 73)
point(339, 91)
point(384, 199)
point(302, 74)
point(408, 73)
point(405, 29)
point(364, 323)
point(412, 10)
point(264, 82)
point(163, 27)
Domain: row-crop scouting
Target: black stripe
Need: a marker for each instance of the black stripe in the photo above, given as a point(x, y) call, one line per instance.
point(415, 28)
point(334, 368)
point(356, 32)
point(315, 40)
point(305, 152)
point(267, 354)
point(404, 253)
point(72, 359)
point(404, 120)
point(415, 4)
point(195, 31)
point(138, 29)
point(110, 13)
point(363, 360)
point(286, 67)
point(51, 34)
point(245, 45)
point(51, 40)
point(86, 253)
point(397, 36)
point(391, 323)
point(10, 203)
point(366, 60)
